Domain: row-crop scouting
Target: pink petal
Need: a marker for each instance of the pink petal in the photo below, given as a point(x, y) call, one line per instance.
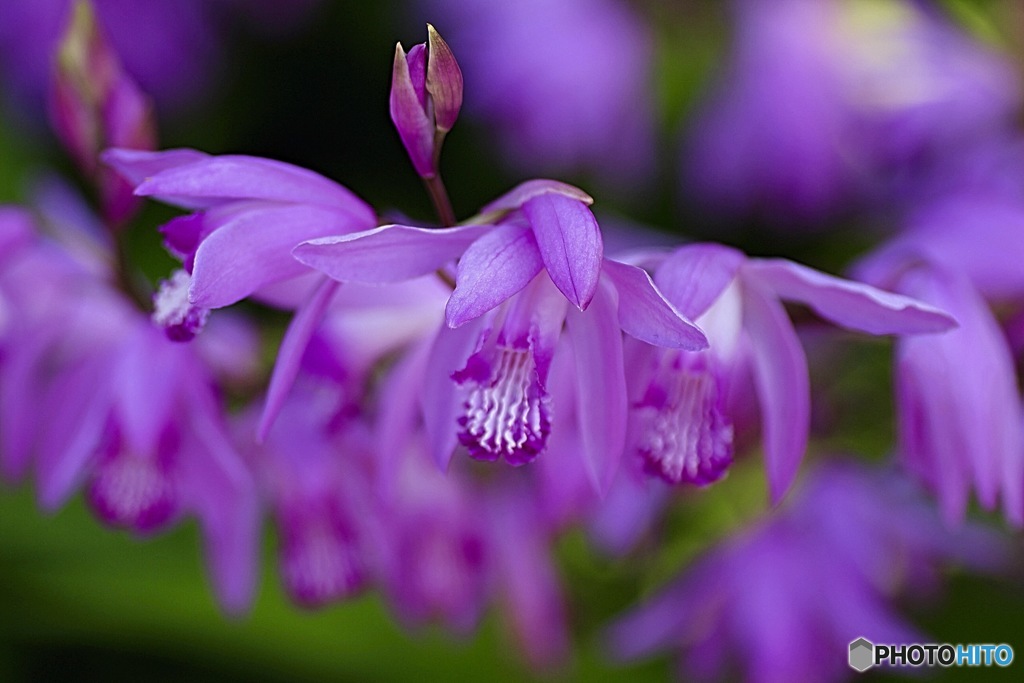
point(390, 253)
point(289, 357)
point(694, 276)
point(243, 177)
point(646, 315)
point(601, 395)
point(494, 267)
point(135, 166)
point(570, 244)
point(783, 387)
point(254, 249)
point(850, 304)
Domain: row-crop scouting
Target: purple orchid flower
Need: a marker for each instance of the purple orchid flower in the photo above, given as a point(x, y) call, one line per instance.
point(828, 566)
point(808, 116)
point(514, 284)
point(679, 408)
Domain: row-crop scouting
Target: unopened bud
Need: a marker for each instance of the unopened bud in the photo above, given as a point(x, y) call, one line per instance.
point(95, 105)
point(426, 96)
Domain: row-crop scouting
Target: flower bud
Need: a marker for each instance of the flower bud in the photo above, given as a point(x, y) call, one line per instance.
point(426, 95)
point(94, 105)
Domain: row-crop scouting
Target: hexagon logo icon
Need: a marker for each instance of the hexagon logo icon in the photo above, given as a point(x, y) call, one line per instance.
point(862, 654)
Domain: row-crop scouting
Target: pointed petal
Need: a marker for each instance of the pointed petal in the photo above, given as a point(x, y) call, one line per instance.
point(407, 112)
point(440, 398)
point(224, 496)
point(390, 253)
point(135, 166)
point(850, 304)
point(494, 267)
point(524, 192)
point(570, 244)
point(444, 81)
point(601, 380)
point(254, 249)
point(693, 277)
point(289, 357)
point(783, 387)
point(243, 177)
point(78, 404)
point(645, 314)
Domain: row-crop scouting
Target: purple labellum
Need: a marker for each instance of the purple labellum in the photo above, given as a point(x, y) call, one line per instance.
point(133, 491)
point(507, 410)
point(685, 435)
point(320, 559)
point(181, 320)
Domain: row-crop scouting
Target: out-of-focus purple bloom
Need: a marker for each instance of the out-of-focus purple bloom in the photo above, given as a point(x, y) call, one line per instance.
point(313, 469)
point(679, 408)
point(826, 569)
point(514, 281)
point(96, 397)
point(566, 82)
point(958, 404)
point(95, 105)
point(436, 561)
point(822, 98)
point(426, 95)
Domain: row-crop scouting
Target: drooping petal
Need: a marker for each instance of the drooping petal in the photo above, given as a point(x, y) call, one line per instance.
point(646, 315)
point(570, 244)
point(958, 406)
point(850, 304)
point(440, 401)
point(601, 384)
point(254, 249)
point(524, 192)
point(243, 177)
point(223, 495)
point(492, 269)
point(693, 277)
point(783, 387)
point(289, 356)
point(390, 253)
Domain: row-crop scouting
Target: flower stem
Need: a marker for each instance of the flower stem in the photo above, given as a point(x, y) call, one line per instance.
point(439, 196)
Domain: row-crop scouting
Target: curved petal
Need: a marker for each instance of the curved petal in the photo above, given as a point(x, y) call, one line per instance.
point(389, 253)
point(254, 249)
point(135, 166)
point(570, 244)
point(408, 113)
point(601, 379)
point(440, 399)
point(783, 387)
point(850, 304)
point(524, 192)
point(693, 277)
point(229, 177)
point(646, 315)
point(494, 267)
point(289, 357)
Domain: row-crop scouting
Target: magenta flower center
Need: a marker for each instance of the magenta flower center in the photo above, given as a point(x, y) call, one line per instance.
point(320, 560)
point(684, 435)
point(507, 411)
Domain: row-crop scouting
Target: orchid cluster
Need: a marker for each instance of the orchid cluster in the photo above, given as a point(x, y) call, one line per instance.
point(451, 399)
